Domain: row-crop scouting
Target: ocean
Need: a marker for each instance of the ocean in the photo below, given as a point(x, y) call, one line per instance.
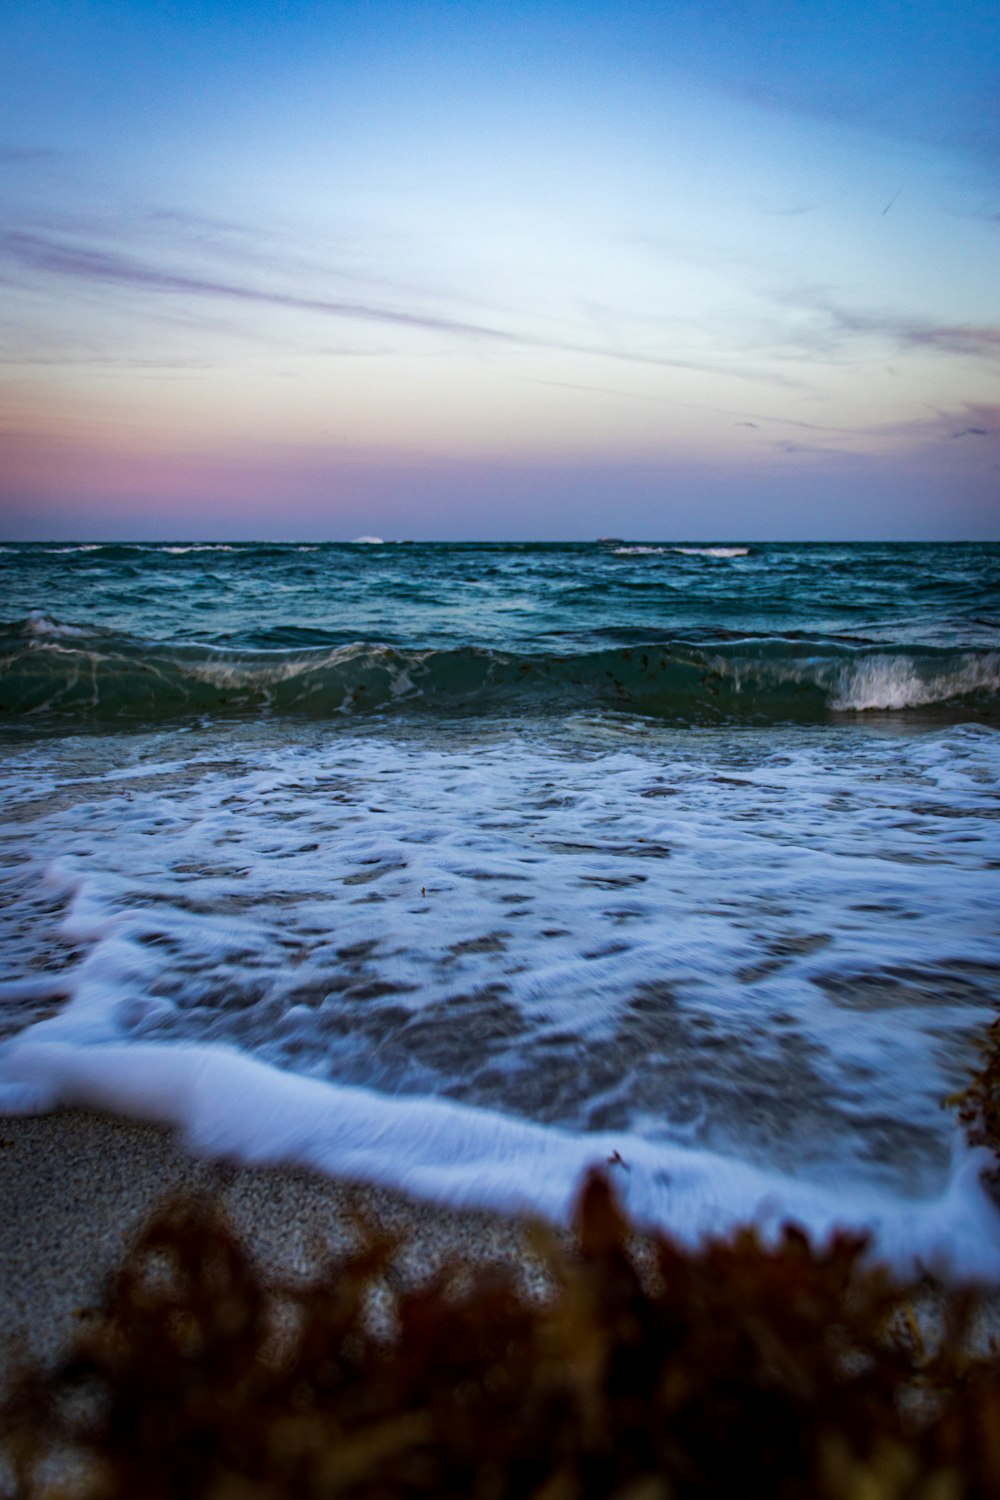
point(459, 867)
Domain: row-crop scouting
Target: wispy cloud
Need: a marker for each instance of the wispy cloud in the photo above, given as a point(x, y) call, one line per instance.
point(832, 326)
point(243, 247)
point(74, 256)
point(43, 253)
point(786, 446)
point(938, 428)
point(981, 342)
point(952, 110)
point(834, 436)
point(978, 342)
point(27, 156)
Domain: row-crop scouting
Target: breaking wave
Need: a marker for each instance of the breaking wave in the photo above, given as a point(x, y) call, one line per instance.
point(65, 670)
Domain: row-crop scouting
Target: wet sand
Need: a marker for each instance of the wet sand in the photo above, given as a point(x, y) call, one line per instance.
point(76, 1187)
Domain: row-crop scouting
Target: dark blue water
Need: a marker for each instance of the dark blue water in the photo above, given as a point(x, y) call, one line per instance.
point(680, 632)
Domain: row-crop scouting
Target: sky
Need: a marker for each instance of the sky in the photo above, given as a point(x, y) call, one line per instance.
point(304, 269)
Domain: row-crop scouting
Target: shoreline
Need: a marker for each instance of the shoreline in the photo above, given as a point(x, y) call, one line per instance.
point(76, 1186)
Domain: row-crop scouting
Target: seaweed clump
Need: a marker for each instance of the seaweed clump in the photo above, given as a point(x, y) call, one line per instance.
point(978, 1103)
point(649, 1372)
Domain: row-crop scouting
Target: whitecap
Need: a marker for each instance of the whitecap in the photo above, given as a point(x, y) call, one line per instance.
point(193, 547)
point(712, 551)
point(39, 623)
point(897, 682)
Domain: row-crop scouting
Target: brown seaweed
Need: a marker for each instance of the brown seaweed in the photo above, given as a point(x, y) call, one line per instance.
point(978, 1104)
point(651, 1370)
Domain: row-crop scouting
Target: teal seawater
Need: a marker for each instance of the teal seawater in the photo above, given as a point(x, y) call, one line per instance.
point(694, 633)
point(461, 867)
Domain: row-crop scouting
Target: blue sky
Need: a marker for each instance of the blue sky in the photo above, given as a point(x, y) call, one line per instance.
point(465, 270)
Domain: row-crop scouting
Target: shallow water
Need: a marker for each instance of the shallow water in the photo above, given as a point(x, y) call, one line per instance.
point(759, 938)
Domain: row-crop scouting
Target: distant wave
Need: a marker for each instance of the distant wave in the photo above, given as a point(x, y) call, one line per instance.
point(48, 667)
point(114, 551)
point(193, 547)
point(712, 551)
point(644, 549)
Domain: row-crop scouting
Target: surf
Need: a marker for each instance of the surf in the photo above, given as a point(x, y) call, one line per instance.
point(65, 670)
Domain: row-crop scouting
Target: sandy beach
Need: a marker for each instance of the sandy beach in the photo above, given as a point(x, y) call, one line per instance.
point(75, 1188)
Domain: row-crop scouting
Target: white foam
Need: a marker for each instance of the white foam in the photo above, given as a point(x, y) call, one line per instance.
point(642, 550)
point(40, 624)
point(369, 541)
point(895, 682)
point(781, 949)
point(193, 547)
point(863, 681)
point(712, 551)
point(232, 1106)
